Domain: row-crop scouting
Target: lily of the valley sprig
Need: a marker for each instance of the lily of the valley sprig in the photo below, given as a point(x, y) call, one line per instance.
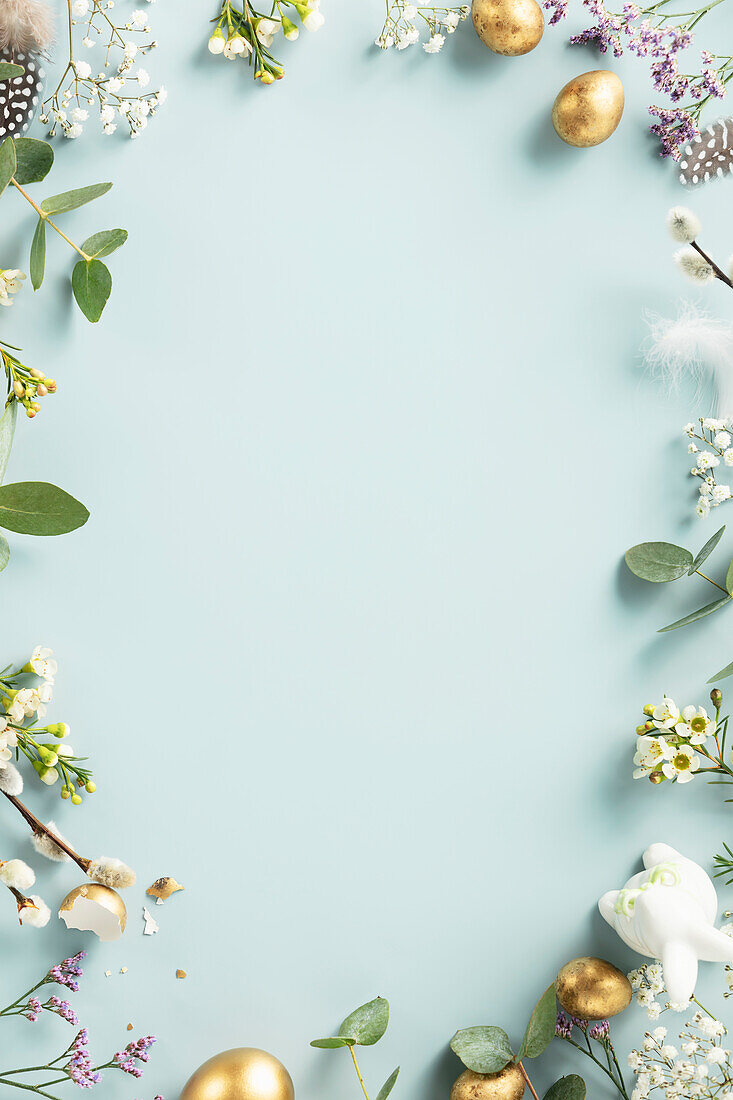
point(404, 20)
point(74, 1062)
point(116, 93)
point(24, 161)
point(243, 31)
point(22, 708)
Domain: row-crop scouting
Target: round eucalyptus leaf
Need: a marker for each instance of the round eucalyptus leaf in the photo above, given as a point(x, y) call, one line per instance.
point(658, 561)
point(482, 1049)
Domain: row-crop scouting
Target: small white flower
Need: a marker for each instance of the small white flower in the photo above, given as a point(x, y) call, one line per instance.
point(451, 21)
point(43, 664)
point(682, 764)
point(11, 280)
point(143, 77)
point(162, 93)
point(83, 69)
point(717, 1056)
point(692, 448)
point(706, 460)
point(669, 1052)
point(79, 8)
point(87, 42)
point(728, 457)
point(722, 440)
point(695, 725)
point(702, 508)
point(313, 20)
point(719, 493)
point(130, 50)
point(217, 42)
point(79, 114)
point(139, 19)
point(109, 127)
point(409, 12)
point(665, 714)
point(634, 1060)
point(650, 753)
point(688, 429)
point(114, 84)
point(694, 266)
point(683, 225)
point(34, 912)
point(434, 43)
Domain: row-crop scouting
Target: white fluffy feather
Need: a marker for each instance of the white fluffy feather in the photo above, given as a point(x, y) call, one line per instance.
point(693, 345)
point(25, 25)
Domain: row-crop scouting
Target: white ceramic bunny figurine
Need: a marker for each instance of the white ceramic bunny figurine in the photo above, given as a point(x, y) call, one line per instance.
point(667, 912)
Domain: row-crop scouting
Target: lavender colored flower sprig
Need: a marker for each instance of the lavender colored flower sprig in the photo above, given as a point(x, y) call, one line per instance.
point(582, 1034)
point(661, 36)
point(74, 1062)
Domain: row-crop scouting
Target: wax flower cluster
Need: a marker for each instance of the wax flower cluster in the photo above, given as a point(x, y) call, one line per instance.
point(23, 704)
point(25, 384)
point(404, 20)
point(248, 34)
point(117, 92)
point(672, 742)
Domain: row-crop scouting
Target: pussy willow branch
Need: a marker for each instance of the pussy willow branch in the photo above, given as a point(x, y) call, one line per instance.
point(719, 274)
point(38, 827)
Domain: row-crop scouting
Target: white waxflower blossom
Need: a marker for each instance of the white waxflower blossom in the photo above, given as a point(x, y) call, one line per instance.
point(694, 266)
point(666, 714)
point(43, 664)
point(695, 725)
point(34, 912)
point(683, 225)
point(17, 874)
point(434, 43)
point(313, 20)
point(683, 763)
point(47, 847)
point(217, 42)
point(650, 753)
point(111, 872)
point(11, 281)
point(83, 69)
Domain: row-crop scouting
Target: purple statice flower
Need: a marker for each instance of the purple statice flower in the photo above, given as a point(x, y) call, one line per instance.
point(674, 129)
point(599, 1031)
point(79, 1067)
point(563, 1026)
point(66, 972)
point(577, 1022)
point(62, 1009)
point(33, 1009)
point(135, 1051)
point(559, 9)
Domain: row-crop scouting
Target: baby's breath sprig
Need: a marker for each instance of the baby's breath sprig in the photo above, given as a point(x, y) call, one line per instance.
point(25, 384)
point(402, 25)
point(118, 96)
point(717, 447)
point(248, 34)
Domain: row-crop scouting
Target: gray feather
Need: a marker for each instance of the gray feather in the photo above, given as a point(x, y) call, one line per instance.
point(711, 155)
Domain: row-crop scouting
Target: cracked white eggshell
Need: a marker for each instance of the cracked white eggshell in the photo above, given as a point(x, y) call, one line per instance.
point(95, 908)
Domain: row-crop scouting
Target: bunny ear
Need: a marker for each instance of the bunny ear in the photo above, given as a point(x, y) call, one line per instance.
point(19, 96)
point(710, 155)
point(679, 963)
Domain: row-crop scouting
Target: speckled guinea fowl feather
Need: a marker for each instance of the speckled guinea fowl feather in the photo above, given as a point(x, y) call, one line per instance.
point(711, 155)
point(19, 95)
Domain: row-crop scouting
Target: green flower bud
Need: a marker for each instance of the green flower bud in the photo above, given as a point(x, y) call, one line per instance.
point(59, 729)
point(48, 756)
point(76, 800)
point(649, 709)
point(65, 792)
point(290, 30)
point(90, 787)
point(716, 698)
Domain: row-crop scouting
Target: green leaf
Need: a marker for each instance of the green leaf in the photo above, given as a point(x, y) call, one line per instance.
point(39, 508)
point(367, 1024)
point(729, 579)
point(7, 163)
point(541, 1027)
point(104, 243)
point(695, 615)
point(571, 1087)
point(7, 432)
point(9, 71)
point(482, 1049)
point(72, 200)
point(92, 284)
point(332, 1044)
point(707, 550)
point(658, 561)
point(388, 1085)
point(34, 160)
point(38, 255)
point(722, 675)
point(4, 552)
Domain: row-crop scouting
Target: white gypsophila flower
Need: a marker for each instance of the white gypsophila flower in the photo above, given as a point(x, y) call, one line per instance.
point(107, 113)
point(682, 765)
point(706, 460)
point(35, 912)
point(692, 448)
point(143, 77)
point(83, 69)
point(111, 872)
point(702, 508)
point(694, 266)
point(79, 8)
point(434, 43)
point(130, 50)
point(634, 1060)
point(666, 714)
point(139, 19)
point(11, 781)
point(728, 457)
point(79, 114)
point(115, 85)
point(717, 1056)
point(683, 225)
point(73, 131)
point(87, 42)
point(409, 12)
point(695, 725)
point(689, 429)
point(47, 847)
point(109, 127)
point(16, 874)
point(719, 493)
point(11, 281)
point(722, 440)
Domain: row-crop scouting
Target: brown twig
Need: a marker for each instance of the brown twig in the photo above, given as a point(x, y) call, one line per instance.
point(39, 828)
point(719, 273)
point(523, 1071)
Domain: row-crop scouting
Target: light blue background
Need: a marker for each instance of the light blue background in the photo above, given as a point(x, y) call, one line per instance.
point(364, 436)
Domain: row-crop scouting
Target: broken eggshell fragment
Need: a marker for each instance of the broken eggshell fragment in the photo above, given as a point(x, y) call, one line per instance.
point(95, 908)
point(162, 888)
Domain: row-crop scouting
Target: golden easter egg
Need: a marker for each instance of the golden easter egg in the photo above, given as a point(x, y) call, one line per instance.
point(508, 27)
point(508, 1084)
point(592, 989)
point(589, 108)
point(244, 1073)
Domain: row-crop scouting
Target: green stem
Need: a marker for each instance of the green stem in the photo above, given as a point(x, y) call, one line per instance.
point(358, 1072)
point(44, 216)
point(708, 578)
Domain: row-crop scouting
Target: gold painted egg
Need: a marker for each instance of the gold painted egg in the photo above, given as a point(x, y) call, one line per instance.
point(244, 1073)
point(589, 108)
point(508, 1084)
point(592, 989)
point(508, 27)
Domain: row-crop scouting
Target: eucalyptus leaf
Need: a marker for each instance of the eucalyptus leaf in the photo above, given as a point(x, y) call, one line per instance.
point(723, 674)
point(4, 552)
point(332, 1044)
point(92, 285)
point(9, 70)
point(7, 432)
point(707, 550)
point(729, 579)
point(39, 508)
point(695, 615)
point(37, 263)
point(571, 1087)
point(34, 160)
point(7, 163)
point(541, 1027)
point(482, 1049)
point(658, 562)
point(388, 1085)
point(104, 243)
point(366, 1024)
point(72, 200)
